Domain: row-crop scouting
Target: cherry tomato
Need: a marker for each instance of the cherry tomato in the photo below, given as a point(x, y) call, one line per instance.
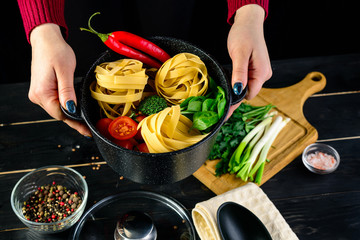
point(138, 135)
point(139, 118)
point(123, 128)
point(142, 147)
point(133, 141)
point(103, 125)
point(128, 144)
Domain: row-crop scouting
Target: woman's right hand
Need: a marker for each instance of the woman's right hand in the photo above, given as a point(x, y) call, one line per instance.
point(52, 74)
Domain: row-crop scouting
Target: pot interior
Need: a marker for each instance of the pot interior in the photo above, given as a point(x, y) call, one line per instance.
point(90, 108)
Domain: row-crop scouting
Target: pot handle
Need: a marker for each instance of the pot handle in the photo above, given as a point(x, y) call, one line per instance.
point(77, 115)
point(238, 98)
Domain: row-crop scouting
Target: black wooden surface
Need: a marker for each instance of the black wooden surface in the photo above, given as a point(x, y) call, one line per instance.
point(316, 207)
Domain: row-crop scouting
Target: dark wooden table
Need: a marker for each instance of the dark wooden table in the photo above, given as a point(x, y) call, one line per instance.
point(316, 207)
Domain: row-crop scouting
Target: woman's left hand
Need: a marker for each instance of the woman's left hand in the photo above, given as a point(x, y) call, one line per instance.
point(247, 49)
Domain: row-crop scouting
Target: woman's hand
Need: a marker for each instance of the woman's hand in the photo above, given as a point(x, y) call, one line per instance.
point(248, 52)
point(52, 74)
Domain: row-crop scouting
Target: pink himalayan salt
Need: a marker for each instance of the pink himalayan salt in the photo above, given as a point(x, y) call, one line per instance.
point(321, 160)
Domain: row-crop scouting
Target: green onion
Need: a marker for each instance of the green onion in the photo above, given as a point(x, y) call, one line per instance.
point(265, 151)
point(235, 158)
point(246, 161)
point(243, 120)
point(244, 172)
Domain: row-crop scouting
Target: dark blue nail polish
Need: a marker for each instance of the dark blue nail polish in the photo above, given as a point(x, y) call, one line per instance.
point(238, 87)
point(88, 137)
point(70, 106)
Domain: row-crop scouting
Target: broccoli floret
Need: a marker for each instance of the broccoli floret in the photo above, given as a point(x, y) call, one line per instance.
point(152, 104)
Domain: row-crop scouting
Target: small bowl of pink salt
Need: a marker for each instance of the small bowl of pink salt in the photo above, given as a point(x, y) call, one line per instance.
point(320, 158)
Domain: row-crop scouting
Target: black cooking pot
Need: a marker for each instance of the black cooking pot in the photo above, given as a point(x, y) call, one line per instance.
point(154, 168)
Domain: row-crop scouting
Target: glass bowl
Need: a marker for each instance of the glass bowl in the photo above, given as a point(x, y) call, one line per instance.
point(30, 183)
point(320, 158)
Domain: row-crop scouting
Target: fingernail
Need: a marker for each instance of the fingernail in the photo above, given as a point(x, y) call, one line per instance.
point(87, 136)
point(238, 87)
point(70, 106)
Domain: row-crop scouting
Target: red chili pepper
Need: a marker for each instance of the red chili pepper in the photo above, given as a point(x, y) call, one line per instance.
point(131, 45)
point(122, 49)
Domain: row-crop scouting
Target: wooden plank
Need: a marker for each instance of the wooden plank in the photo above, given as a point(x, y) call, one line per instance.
point(334, 116)
point(342, 71)
point(323, 216)
point(15, 105)
point(299, 181)
point(291, 141)
point(41, 144)
point(314, 204)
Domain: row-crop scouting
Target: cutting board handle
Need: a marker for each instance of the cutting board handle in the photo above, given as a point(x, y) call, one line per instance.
point(290, 100)
point(312, 83)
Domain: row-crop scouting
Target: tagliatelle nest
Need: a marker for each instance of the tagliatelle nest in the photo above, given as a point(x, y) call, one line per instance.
point(120, 83)
point(180, 77)
point(168, 131)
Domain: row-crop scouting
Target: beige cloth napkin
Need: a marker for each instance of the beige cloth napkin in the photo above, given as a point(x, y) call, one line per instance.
point(253, 198)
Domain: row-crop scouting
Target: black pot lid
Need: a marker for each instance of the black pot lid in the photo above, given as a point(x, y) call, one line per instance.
point(171, 219)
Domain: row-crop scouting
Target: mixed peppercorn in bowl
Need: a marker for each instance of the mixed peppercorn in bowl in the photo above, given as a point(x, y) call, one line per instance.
point(50, 199)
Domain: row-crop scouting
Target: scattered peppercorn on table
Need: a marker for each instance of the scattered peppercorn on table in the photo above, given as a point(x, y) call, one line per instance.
point(315, 206)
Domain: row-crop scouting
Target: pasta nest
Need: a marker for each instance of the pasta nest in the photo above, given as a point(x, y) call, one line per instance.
point(180, 77)
point(120, 83)
point(168, 131)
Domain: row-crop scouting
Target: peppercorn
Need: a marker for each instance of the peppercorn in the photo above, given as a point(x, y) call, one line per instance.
point(51, 203)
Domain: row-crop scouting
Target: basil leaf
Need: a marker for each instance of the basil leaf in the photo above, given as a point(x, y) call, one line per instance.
point(203, 120)
point(208, 104)
point(221, 107)
point(185, 103)
point(194, 106)
point(212, 86)
point(198, 98)
point(221, 92)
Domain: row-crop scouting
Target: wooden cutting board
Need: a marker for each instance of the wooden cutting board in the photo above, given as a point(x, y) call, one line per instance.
point(291, 141)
